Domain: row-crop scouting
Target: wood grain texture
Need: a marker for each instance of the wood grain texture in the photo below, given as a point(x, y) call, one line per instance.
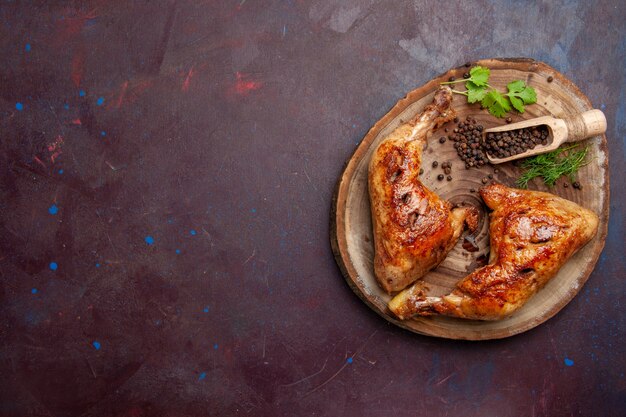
point(351, 231)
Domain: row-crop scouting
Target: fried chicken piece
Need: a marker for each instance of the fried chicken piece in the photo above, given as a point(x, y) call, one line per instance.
point(532, 235)
point(414, 228)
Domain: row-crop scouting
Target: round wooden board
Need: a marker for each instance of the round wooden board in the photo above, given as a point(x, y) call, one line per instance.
point(351, 228)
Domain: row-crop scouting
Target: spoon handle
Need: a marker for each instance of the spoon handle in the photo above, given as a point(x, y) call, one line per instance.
point(585, 125)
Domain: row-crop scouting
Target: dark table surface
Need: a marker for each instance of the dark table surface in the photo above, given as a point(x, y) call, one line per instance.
point(166, 177)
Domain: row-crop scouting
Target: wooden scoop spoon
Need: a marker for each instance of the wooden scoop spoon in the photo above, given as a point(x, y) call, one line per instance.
point(572, 129)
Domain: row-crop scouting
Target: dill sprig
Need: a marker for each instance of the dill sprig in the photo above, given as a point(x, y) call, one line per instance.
point(552, 165)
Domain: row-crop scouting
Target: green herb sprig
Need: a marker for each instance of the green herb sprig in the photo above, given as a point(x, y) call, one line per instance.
point(478, 90)
point(552, 165)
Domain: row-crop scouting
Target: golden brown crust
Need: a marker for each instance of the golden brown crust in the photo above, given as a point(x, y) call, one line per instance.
point(532, 235)
point(413, 228)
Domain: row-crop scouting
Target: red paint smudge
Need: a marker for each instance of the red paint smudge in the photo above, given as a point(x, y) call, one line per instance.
point(76, 122)
point(120, 98)
point(78, 63)
point(136, 89)
point(71, 25)
point(244, 84)
point(55, 148)
point(39, 161)
point(186, 82)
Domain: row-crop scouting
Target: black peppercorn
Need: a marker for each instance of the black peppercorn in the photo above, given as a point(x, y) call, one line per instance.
point(440, 177)
point(502, 145)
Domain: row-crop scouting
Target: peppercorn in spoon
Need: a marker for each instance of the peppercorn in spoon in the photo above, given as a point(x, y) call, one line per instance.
point(539, 135)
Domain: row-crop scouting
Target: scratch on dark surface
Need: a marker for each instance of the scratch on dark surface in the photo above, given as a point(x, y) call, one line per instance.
point(161, 48)
point(307, 377)
point(264, 336)
point(309, 178)
point(445, 379)
point(333, 376)
point(110, 241)
point(91, 368)
point(250, 257)
point(112, 167)
point(120, 98)
point(208, 235)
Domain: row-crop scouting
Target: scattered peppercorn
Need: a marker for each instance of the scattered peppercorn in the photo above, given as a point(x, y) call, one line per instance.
point(467, 137)
point(490, 176)
point(447, 170)
point(449, 177)
point(442, 139)
point(421, 171)
point(485, 180)
point(472, 190)
point(452, 79)
point(440, 177)
point(435, 163)
point(466, 75)
point(508, 120)
point(565, 185)
point(550, 79)
point(456, 120)
point(576, 185)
